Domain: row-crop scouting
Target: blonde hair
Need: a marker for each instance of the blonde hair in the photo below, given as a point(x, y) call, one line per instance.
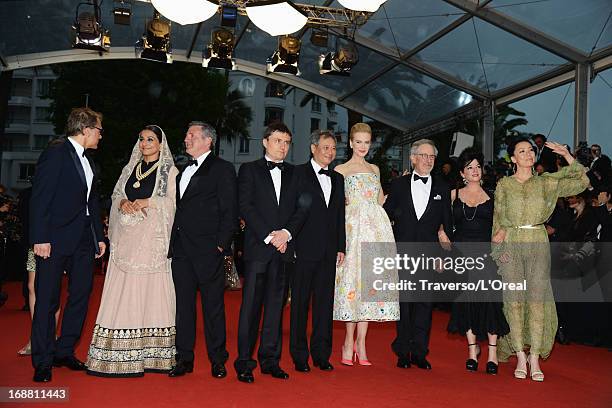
point(360, 127)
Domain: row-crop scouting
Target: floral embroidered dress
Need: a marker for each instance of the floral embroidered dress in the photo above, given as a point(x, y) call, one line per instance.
point(521, 209)
point(135, 328)
point(366, 222)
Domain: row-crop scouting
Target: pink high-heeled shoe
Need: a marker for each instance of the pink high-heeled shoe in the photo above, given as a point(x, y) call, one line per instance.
point(358, 360)
point(345, 361)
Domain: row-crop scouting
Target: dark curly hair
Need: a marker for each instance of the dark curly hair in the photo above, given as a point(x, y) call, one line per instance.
point(512, 145)
point(468, 155)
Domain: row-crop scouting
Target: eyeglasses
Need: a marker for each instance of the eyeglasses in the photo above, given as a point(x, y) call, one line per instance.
point(101, 130)
point(426, 156)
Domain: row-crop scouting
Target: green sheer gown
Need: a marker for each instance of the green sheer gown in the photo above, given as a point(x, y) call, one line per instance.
point(531, 314)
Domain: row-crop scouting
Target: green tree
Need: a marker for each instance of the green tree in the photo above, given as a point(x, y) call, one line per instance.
point(135, 93)
point(234, 120)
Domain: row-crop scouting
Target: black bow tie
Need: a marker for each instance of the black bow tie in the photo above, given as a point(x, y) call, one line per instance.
point(416, 177)
point(328, 173)
point(271, 165)
point(193, 162)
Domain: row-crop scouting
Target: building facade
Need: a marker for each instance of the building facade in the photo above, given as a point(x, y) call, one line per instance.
point(272, 101)
point(28, 126)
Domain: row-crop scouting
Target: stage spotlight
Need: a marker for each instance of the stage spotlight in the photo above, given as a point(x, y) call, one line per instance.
point(218, 54)
point(319, 38)
point(339, 62)
point(229, 16)
point(122, 11)
point(285, 59)
point(155, 43)
point(88, 30)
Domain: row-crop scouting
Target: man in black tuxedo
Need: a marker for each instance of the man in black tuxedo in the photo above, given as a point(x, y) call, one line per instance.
point(544, 155)
point(66, 232)
point(204, 224)
point(418, 204)
point(320, 246)
point(267, 199)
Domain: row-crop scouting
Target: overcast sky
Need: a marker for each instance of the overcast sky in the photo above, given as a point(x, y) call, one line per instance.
point(542, 109)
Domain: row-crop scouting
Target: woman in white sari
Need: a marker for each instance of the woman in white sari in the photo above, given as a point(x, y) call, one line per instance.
point(135, 327)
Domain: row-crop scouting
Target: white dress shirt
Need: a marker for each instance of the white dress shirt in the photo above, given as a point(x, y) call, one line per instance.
point(324, 181)
point(80, 150)
point(189, 172)
point(277, 176)
point(420, 194)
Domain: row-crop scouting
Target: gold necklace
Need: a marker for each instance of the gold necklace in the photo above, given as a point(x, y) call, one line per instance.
point(140, 175)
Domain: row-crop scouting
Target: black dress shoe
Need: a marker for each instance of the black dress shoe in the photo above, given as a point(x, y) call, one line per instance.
point(246, 377)
point(181, 368)
point(403, 362)
point(420, 362)
point(42, 374)
point(218, 371)
point(276, 372)
point(491, 368)
point(324, 365)
point(302, 367)
point(71, 362)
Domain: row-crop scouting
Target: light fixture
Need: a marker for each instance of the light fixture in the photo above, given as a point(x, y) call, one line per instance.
point(218, 54)
point(276, 17)
point(362, 5)
point(319, 38)
point(229, 16)
point(155, 43)
point(285, 59)
point(88, 30)
point(186, 12)
point(339, 62)
point(122, 11)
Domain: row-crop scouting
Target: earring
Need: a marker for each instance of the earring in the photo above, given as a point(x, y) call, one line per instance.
point(465, 181)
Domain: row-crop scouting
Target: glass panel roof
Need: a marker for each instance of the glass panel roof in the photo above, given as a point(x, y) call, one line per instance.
point(407, 94)
point(405, 24)
point(577, 23)
point(402, 94)
point(507, 59)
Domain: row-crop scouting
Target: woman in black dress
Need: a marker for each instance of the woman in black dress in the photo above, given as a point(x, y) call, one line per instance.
point(473, 219)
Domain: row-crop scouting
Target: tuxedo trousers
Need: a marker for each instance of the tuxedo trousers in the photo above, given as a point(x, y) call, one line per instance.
point(47, 287)
point(312, 279)
point(209, 277)
point(413, 330)
point(265, 286)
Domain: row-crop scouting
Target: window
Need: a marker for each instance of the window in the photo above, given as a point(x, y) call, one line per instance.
point(316, 103)
point(244, 144)
point(21, 87)
point(314, 124)
point(273, 115)
point(41, 141)
point(43, 88)
point(43, 115)
point(18, 115)
point(331, 107)
point(275, 90)
point(26, 171)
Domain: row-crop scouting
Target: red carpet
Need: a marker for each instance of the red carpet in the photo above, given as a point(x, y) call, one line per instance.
point(576, 376)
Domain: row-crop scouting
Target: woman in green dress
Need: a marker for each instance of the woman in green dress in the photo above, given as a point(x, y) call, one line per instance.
point(523, 202)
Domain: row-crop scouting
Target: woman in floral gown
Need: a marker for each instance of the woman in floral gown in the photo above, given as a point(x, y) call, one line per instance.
point(366, 222)
point(523, 203)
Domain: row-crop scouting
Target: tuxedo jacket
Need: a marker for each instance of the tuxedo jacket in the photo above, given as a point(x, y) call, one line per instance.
point(59, 201)
point(207, 213)
point(400, 208)
point(262, 212)
point(323, 230)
